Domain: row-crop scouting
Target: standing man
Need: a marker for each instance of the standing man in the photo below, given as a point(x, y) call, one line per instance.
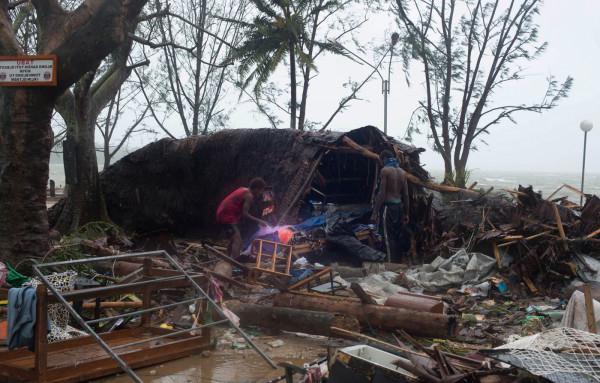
point(234, 208)
point(391, 203)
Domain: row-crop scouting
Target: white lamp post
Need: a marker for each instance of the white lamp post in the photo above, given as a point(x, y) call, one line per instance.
point(586, 126)
point(385, 84)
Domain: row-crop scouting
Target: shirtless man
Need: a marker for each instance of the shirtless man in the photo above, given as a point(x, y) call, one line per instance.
point(391, 203)
point(234, 208)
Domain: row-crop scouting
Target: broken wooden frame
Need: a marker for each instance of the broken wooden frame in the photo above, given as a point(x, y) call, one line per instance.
point(259, 246)
point(183, 342)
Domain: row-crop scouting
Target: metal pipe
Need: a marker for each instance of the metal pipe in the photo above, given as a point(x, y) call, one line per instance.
point(583, 167)
point(99, 259)
point(143, 311)
point(169, 334)
point(222, 314)
point(124, 366)
point(386, 91)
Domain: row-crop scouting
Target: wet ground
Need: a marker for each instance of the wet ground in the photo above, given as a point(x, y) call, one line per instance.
point(233, 366)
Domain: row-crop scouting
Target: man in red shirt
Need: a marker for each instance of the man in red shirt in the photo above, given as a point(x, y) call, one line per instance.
point(234, 208)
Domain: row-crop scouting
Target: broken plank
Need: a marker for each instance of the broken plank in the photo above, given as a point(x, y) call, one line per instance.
point(589, 308)
point(530, 285)
point(311, 278)
point(593, 234)
point(496, 254)
point(225, 257)
point(561, 229)
point(362, 294)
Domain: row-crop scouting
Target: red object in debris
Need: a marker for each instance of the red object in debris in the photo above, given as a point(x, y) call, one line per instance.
point(3, 330)
point(285, 235)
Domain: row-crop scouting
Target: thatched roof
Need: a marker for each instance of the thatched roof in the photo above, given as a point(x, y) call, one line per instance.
point(177, 184)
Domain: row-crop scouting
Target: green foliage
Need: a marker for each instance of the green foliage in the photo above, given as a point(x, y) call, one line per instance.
point(468, 51)
point(70, 246)
point(280, 27)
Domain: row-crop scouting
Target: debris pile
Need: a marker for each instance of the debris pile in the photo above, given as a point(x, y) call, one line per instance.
point(482, 271)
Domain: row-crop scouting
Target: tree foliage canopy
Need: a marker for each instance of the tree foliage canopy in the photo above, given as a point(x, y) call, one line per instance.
point(469, 50)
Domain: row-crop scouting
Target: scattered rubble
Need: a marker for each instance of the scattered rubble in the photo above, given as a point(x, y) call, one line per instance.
point(483, 272)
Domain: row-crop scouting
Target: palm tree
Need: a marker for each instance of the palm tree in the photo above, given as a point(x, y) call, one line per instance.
point(279, 30)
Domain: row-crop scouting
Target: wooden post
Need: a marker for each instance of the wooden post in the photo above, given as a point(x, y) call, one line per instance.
point(589, 308)
point(274, 258)
point(288, 265)
point(147, 298)
point(561, 229)
point(259, 255)
point(497, 254)
point(41, 334)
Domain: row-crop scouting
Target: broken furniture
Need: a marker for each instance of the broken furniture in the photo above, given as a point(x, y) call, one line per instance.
point(316, 277)
point(278, 257)
point(96, 355)
point(365, 364)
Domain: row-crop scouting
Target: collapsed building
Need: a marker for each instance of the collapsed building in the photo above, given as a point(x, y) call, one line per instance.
point(176, 184)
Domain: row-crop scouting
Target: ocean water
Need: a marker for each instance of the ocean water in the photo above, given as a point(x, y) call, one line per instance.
point(57, 173)
point(544, 182)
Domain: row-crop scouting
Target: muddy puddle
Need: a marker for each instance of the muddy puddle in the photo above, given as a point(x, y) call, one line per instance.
point(233, 366)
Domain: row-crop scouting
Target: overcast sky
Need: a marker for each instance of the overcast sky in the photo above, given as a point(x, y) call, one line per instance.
point(551, 142)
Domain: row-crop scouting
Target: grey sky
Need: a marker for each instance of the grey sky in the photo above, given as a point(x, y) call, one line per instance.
point(551, 142)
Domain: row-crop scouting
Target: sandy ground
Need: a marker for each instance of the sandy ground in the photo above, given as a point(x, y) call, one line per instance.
point(233, 366)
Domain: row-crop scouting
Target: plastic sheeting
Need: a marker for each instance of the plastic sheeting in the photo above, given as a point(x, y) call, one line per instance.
point(461, 269)
point(381, 285)
point(575, 316)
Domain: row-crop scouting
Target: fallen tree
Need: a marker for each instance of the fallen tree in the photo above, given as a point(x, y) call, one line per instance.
point(79, 39)
point(290, 319)
point(387, 318)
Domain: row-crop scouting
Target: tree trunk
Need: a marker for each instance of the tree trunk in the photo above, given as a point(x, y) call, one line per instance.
point(25, 143)
point(306, 78)
point(293, 103)
point(448, 173)
point(302, 117)
point(197, 81)
point(387, 318)
point(460, 176)
point(85, 202)
point(286, 319)
point(107, 155)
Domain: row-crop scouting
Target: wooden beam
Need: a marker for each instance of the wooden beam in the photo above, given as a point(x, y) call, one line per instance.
point(530, 285)
point(561, 229)
point(496, 254)
point(589, 309)
point(224, 257)
point(41, 334)
point(410, 177)
point(305, 184)
point(593, 234)
point(306, 281)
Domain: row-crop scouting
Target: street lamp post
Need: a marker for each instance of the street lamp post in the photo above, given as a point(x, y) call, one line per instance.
point(586, 126)
point(385, 84)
